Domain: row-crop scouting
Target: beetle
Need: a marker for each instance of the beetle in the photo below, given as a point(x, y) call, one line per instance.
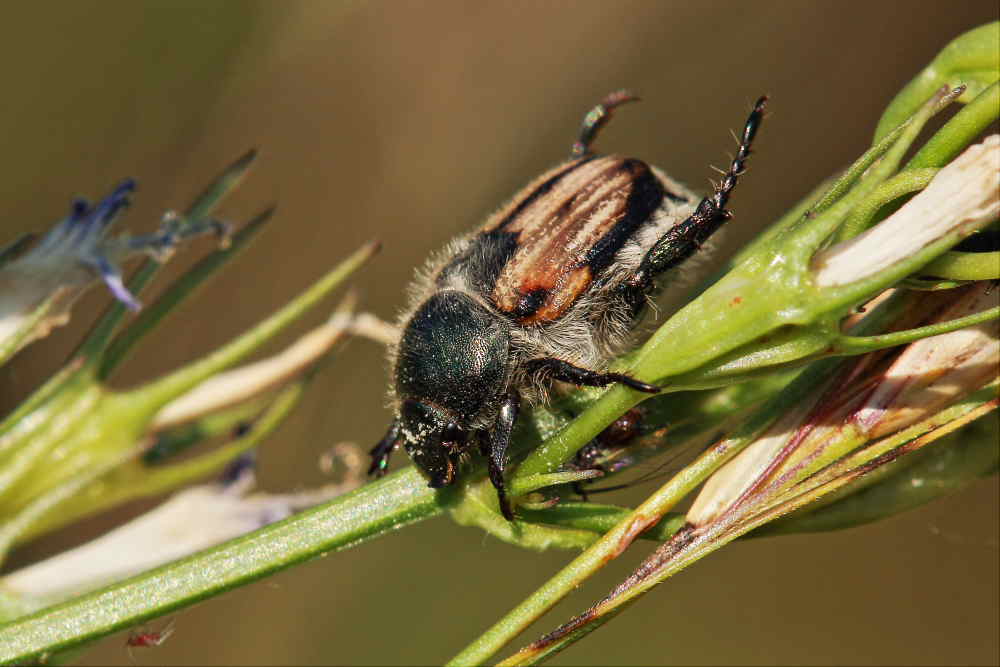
point(549, 288)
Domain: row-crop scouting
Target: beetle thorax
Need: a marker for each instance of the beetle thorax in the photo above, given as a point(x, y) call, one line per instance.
point(452, 357)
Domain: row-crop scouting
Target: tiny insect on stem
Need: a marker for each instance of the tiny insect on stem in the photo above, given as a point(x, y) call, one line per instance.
point(148, 639)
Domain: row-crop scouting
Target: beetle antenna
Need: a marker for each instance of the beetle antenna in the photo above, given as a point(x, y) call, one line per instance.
point(738, 165)
point(597, 118)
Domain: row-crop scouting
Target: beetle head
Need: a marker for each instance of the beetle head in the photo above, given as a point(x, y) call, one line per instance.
point(453, 358)
point(432, 440)
point(451, 367)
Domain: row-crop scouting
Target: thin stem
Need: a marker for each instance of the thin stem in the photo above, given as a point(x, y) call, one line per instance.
point(971, 59)
point(225, 183)
point(601, 552)
point(158, 393)
point(648, 514)
point(954, 265)
point(390, 503)
point(600, 519)
point(960, 130)
point(183, 287)
point(864, 344)
point(136, 479)
point(98, 339)
point(901, 184)
point(671, 559)
point(525, 485)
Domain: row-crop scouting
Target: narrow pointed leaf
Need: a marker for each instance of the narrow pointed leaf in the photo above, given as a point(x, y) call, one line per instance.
point(174, 295)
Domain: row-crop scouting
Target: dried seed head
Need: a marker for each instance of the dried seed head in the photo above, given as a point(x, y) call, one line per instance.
point(867, 401)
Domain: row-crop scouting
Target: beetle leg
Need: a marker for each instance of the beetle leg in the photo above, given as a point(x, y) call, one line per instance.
point(597, 118)
point(684, 239)
point(494, 445)
point(381, 452)
point(567, 372)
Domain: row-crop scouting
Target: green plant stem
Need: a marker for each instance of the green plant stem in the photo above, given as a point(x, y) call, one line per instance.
point(971, 59)
point(649, 513)
point(670, 559)
point(863, 344)
point(524, 485)
point(159, 392)
point(600, 519)
point(956, 265)
point(225, 183)
point(608, 547)
point(960, 131)
point(100, 335)
point(96, 342)
point(395, 501)
point(901, 184)
point(135, 479)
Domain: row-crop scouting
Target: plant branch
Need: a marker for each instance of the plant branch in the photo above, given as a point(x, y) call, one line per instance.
point(395, 501)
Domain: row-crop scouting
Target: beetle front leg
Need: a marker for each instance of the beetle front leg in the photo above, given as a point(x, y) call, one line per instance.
point(567, 372)
point(494, 444)
point(684, 239)
point(381, 452)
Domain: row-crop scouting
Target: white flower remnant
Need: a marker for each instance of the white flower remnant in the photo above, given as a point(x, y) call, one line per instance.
point(241, 384)
point(963, 196)
point(191, 520)
point(65, 261)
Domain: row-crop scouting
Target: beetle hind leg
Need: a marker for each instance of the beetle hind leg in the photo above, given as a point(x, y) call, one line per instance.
point(684, 239)
point(596, 119)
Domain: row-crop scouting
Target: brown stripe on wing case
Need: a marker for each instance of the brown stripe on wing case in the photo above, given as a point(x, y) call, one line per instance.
point(571, 285)
point(644, 198)
point(597, 206)
point(488, 253)
point(534, 190)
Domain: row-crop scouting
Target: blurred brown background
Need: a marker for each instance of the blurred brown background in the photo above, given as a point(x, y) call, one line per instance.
point(409, 121)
